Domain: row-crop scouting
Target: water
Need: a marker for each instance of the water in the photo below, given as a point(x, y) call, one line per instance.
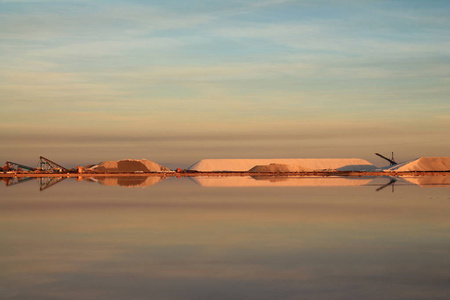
point(226, 238)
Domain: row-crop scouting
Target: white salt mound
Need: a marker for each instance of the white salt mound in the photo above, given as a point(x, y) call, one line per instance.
point(129, 165)
point(307, 164)
point(423, 164)
point(278, 168)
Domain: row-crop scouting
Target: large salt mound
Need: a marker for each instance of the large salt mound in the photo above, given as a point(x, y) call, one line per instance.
point(273, 168)
point(129, 165)
point(312, 164)
point(423, 164)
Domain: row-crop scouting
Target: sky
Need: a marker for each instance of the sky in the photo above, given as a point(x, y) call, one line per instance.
point(178, 81)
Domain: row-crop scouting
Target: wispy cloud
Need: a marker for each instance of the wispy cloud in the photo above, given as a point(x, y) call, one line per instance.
point(94, 21)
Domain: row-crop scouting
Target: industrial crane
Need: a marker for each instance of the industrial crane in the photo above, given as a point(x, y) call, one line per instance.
point(46, 164)
point(391, 161)
point(9, 165)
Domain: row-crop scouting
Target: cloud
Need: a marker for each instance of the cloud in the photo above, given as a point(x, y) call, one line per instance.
point(106, 48)
point(93, 21)
point(334, 38)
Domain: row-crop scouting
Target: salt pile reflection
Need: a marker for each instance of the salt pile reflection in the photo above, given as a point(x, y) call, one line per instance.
point(380, 182)
point(281, 181)
point(127, 181)
point(266, 181)
point(429, 181)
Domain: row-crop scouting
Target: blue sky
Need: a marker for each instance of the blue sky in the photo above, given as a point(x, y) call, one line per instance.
point(273, 78)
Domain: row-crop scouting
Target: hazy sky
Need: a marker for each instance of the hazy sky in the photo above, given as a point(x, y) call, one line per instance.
point(178, 81)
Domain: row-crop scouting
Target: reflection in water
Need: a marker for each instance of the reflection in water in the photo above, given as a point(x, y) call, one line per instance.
point(253, 181)
point(47, 182)
point(125, 181)
point(9, 181)
point(329, 181)
point(177, 240)
point(429, 181)
point(266, 181)
point(390, 183)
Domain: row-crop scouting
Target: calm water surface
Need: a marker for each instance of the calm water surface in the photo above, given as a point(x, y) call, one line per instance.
point(226, 238)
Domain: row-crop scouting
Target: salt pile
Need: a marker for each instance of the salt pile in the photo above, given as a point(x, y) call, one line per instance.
point(280, 168)
point(301, 164)
point(129, 165)
point(423, 164)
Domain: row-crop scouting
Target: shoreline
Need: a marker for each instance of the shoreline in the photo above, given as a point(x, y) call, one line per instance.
point(223, 174)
